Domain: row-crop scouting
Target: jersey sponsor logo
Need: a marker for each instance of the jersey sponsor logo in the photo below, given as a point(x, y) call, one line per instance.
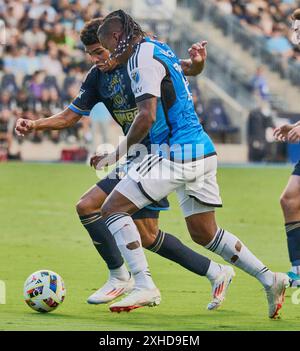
point(119, 100)
point(125, 116)
point(168, 53)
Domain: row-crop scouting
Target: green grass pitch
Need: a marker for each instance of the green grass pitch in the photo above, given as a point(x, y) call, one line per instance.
point(39, 229)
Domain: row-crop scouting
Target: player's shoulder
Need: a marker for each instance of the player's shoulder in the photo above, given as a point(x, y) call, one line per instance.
point(148, 53)
point(143, 54)
point(93, 71)
point(92, 74)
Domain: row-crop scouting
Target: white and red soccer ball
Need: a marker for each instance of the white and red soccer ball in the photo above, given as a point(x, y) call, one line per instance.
point(44, 291)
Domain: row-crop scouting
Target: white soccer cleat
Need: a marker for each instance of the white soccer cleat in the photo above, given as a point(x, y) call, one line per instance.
point(136, 299)
point(220, 286)
point(111, 290)
point(294, 280)
point(275, 294)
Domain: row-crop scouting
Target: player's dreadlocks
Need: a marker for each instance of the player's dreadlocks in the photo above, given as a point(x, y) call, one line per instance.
point(125, 23)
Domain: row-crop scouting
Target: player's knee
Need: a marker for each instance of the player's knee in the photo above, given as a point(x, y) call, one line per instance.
point(289, 203)
point(149, 236)
point(201, 234)
point(85, 206)
point(199, 238)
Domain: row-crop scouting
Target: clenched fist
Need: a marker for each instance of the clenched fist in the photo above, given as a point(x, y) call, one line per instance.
point(24, 126)
point(101, 161)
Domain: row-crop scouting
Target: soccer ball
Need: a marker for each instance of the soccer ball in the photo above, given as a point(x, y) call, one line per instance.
point(44, 290)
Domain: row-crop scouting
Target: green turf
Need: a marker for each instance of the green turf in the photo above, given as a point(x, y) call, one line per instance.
point(39, 229)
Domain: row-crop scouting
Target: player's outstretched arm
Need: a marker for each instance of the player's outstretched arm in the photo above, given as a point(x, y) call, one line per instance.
point(294, 134)
point(281, 133)
point(198, 55)
point(61, 120)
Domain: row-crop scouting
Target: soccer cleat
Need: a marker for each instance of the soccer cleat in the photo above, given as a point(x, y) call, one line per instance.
point(294, 280)
point(220, 286)
point(111, 290)
point(275, 294)
point(136, 299)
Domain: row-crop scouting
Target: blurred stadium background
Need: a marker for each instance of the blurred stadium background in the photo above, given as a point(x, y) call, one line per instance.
point(250, 83)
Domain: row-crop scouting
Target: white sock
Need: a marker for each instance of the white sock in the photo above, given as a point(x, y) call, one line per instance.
point(296, 270)
point(213, 270)
point(127, 238)
point(120, 273)
point(235, 252)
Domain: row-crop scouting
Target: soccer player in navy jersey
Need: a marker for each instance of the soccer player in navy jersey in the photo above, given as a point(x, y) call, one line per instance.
point(108, 82)
point(290, 198)
point(290, 203)
point(182, 159)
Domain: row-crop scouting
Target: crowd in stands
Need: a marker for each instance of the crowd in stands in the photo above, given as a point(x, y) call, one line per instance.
point(43, 61)
point(269, 19)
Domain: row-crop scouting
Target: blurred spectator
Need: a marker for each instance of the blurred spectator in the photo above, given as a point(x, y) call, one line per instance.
point(225, 6)
point(100, 118)
point(278, 43)
point(266, 23)
point(198, 102)
point(37, 84)
point(6, 100)
point(34, 37)
point(51, 63)
point(37, 9)
point(260, 86)
point(6, 134)
point(259, 122)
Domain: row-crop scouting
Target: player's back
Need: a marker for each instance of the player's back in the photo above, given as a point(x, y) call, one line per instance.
point(156, 71)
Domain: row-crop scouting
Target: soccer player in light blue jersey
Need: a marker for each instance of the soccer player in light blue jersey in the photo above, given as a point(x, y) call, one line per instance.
point(183, 160)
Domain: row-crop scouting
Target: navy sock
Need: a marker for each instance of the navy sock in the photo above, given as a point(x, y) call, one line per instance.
point(168, 246)
point(103, 240)
point(293, 239)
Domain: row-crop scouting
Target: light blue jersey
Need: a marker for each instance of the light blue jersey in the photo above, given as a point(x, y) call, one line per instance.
point(155, 70)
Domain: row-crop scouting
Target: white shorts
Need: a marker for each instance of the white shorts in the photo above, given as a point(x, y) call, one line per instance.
point(155, 177)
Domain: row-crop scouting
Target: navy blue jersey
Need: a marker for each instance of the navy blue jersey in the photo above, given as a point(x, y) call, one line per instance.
point(297, 169)
point(114, 90)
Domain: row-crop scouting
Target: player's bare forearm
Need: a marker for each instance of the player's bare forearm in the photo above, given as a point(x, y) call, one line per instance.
point(141, 125)
point(137, 132)
point(198, 55)
point(191, 69)
point(61, 120)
